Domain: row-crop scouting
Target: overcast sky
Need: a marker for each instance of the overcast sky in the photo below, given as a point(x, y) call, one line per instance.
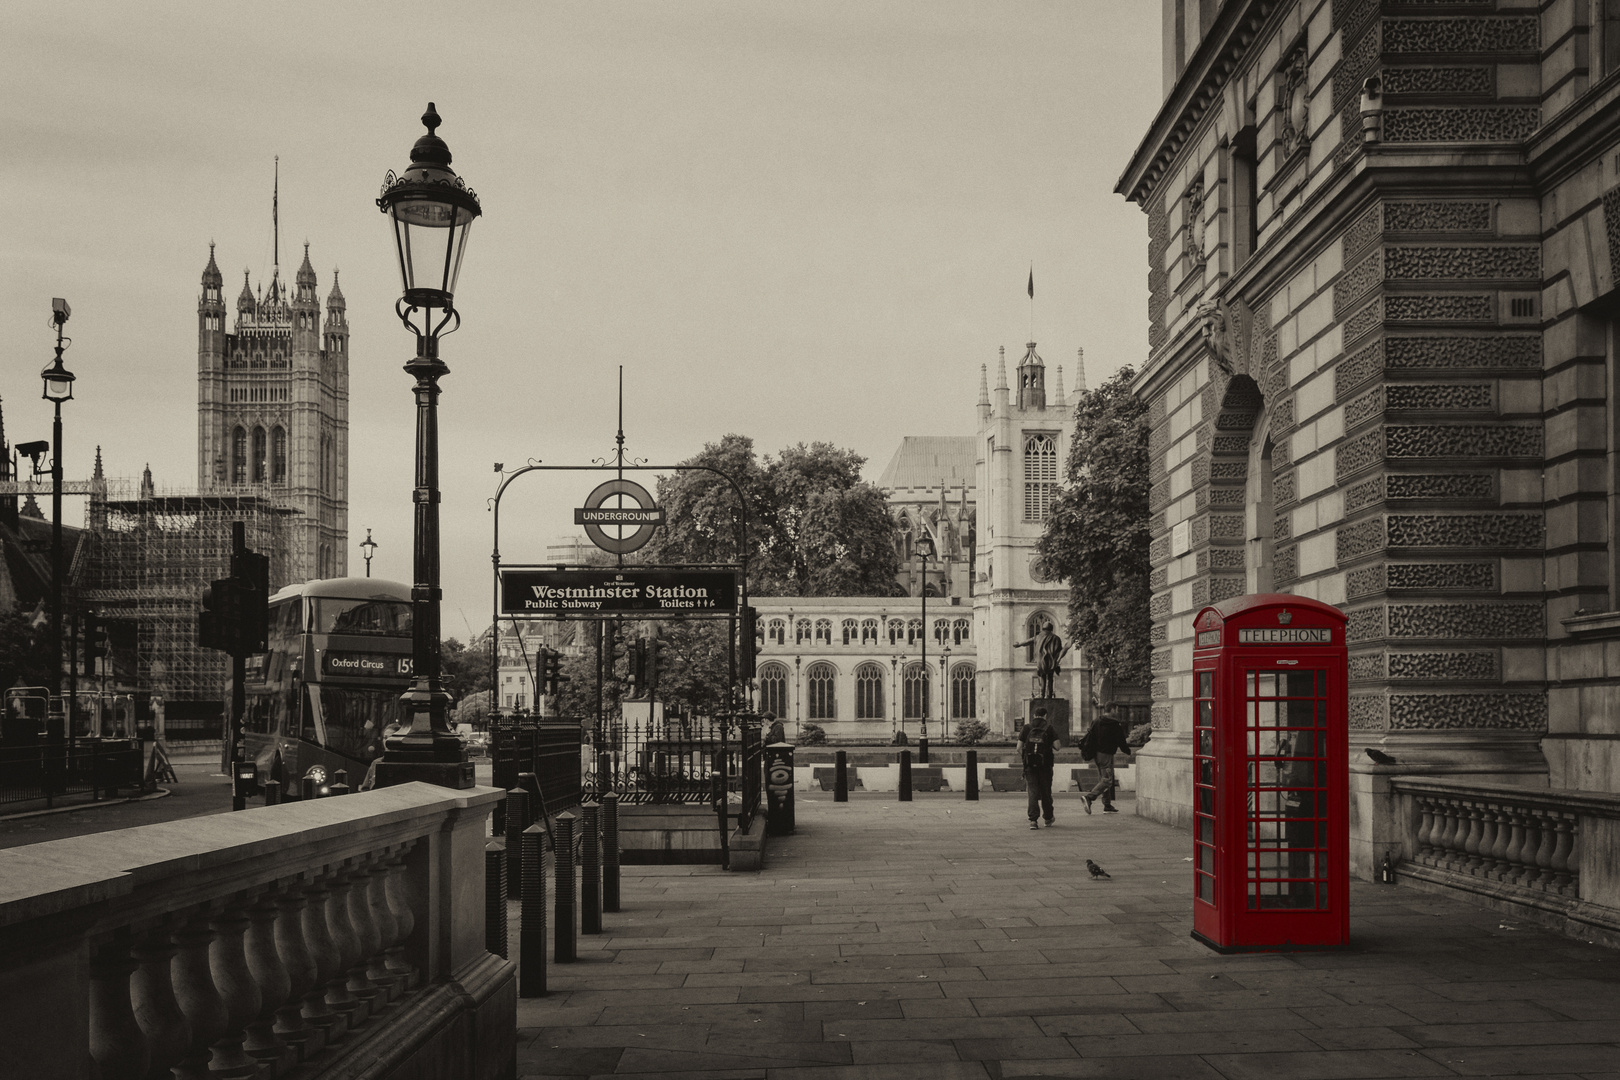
point(796, 221)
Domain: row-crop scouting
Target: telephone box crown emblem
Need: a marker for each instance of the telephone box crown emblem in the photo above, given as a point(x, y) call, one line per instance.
point(1283, 618)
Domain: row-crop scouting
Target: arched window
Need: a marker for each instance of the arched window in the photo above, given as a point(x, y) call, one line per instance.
point(869, 631)
point(260, 454)
point(1040, 476)
point(239, 456)
point(961, 630)
point(914, 631)
point(820, 682)
point(942, 631)
point(964, 692)
point(824, 631)
point(778, 632)
point(869, 692)
point(896, 630)
point(801, 631)
point(916, 691)
point(773, 690)
point(278, 454)
point(851, 628)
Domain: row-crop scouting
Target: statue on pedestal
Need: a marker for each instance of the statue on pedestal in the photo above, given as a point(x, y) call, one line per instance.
point(1049, 650)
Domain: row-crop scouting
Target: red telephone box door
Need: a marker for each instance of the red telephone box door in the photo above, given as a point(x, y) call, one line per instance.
point(1270, 783)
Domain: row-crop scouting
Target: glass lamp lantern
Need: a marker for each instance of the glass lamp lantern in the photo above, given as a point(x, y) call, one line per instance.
point(58, 382)
point(432, 210)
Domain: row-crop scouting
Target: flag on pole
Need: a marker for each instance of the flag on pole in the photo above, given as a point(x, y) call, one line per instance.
point(1032, 283)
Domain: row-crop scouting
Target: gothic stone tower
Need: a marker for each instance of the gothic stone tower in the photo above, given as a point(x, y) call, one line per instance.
point(1022, 444)
point(273, 409)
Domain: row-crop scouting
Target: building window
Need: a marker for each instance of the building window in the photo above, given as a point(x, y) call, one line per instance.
point(850, 629)
point(259, 455)
point(942, 631)
point(868, 692)
point(964, 693)
point(916, 692)
point(896, 630)
point(278, 454)
point(961, 630)
point(820, 683)
point(914, 631)
point(824, 631)
point(239, 456)
point(773, 690)
point(869, 631)
point(778, 632)
point(1040, 476)
point(801, 631)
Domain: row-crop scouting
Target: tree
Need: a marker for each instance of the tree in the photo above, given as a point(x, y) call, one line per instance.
point(465, 667)
point(815, 528)
point(1097, 534)
point(25, 657)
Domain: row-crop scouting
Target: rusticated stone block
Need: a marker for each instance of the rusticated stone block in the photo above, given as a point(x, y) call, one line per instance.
point(1470, 35)
point(1159, 634)
point(1364, 364)
point(1159, 551)
point(1369, 406)
point(1434, 261)
point(1359, 454)
point(1465, 530)
point(1466, 576)
point(1472, 215)
point(1364, 624)
point(1159, 661)
point(1441, 80)
point(1463, 440)
point(1364, 321)
point(1362, 538)
point(1282, 527)
point(1476, 665)
point(1224, 588)
point(1159, 579)
point(1440, 486)
point(1439, 307)
point(1488, 123)
point(1465, 620)
point(1363, 494)
point(1228, 470)
point(1357, 282)
point(1159, 606)
point(1521, 352)
point(1497, 710)
point(1367, 712)
point(1286, 566)
point(1230, 445)
point(1221, 559)
point(1282, 489)
point(1438, 396)
point(1225, 496)
point(1365, 580)
point(1159, 690)
point(1367, 665)
point(1200, 592)
point(1369, 226)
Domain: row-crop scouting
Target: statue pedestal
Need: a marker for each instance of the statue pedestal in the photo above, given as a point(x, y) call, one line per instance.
point(1057, 714)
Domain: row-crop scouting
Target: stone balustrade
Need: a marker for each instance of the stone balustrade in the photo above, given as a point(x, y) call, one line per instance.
point(1554, 855)
point(308, 937)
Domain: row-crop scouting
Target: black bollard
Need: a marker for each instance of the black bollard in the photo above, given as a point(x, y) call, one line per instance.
point(564, 947)
point(272, 793)
point(495, 898)
point(840, 778)
point(590, 869)
point(308, 788)
point(517, 819)
point(922, 750)
point(971, 784)
point(905, 776)
point(532, 915)
point(610, 852)
point(340, 782)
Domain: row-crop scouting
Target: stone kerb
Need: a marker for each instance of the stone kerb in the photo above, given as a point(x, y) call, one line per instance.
point(397, 873)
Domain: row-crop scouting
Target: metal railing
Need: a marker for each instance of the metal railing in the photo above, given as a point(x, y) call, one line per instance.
point(549, 749)
point(750, 752)
point(46, 773)
point(663, 762)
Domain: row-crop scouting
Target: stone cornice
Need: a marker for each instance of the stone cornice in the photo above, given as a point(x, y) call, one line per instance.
point(1572, 138)
point(1198, 88)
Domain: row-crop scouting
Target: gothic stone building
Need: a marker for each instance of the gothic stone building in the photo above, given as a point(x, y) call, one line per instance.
point(273, 409)
point(1382, 240)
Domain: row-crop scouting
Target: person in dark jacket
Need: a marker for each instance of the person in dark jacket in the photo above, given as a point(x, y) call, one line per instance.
point(1037, 743)
point(1105, 738)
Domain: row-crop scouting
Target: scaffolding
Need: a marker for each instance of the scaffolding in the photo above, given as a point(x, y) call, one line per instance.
point(150, 557)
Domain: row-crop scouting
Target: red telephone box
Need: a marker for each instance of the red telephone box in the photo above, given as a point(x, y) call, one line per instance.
point(1271, 840)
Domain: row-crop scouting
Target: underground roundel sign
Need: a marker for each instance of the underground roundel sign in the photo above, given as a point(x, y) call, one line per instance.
point(645, 516)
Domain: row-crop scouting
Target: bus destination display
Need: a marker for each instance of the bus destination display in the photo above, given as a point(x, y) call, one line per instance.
point(360, 665)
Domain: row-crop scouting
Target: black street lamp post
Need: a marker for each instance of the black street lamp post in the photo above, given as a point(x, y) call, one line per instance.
point(431, 210)
point(368, 548)
point(58, 388)
point(925, 551)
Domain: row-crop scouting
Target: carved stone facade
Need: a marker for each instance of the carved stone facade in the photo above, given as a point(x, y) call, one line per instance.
point(1418, 418)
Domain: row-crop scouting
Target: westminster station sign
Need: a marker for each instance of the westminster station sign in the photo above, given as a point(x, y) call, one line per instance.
point(618, 591)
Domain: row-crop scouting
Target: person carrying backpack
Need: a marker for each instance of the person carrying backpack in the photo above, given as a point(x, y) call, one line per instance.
point(1037, 743)
point(1104, 739)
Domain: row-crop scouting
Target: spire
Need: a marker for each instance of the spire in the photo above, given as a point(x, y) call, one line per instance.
point(1057, 393)
point(1001, 368)
point(98, 474)
point(31, 508)
point(1031, 380)
point(1080, 370)
point(147, 488)
point(984, 385)
point(211, 274)
point(245, 302)
point(306, 272)
point(334, 299)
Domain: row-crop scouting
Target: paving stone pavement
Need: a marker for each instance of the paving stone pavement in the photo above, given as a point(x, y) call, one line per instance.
point(944, 939)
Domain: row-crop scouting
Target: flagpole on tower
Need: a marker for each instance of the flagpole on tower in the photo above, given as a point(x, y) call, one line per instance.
point(1032, 301)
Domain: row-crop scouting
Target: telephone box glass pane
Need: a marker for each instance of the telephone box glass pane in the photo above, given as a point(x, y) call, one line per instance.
point(1204, 790)
point(1286, 775)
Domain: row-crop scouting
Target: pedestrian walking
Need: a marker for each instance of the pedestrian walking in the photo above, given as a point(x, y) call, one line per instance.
point(1037, 742)
point(1104, 739)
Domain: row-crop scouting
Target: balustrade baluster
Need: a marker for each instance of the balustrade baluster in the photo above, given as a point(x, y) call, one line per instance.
point(1450, 840)
point(365, 934)
point(345, 948)
point(1497, 833)
point(237, 988)
point(157, 1010)
point(1563, 867)
point(318, 940)
point(387, 927)
point(399, 904)
point(1544, 850)
point(1424, 854)
point(1514, 855)
point(198, 996)
point(117, 1042)
point(274, 981)
point(1476, 834)
point(302, 971)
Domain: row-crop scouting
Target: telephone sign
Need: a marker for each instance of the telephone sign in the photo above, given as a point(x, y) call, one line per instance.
point(1271, 775)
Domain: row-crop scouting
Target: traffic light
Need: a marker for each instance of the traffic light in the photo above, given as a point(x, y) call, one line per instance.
point(638, 667)
point(551, 676)
point(95, 642)
point(655, 655)
point(252, 573)
point(748, 643)
point(219, 622)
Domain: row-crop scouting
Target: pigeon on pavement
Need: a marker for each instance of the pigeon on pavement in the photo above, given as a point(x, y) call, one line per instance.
point(1096, 871)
